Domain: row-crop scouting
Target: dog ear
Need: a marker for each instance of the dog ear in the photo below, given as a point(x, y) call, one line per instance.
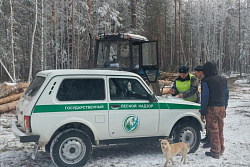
point(169, 140)
point(160, 140)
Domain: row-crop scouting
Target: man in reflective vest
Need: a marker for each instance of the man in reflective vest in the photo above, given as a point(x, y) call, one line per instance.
point(186, 86)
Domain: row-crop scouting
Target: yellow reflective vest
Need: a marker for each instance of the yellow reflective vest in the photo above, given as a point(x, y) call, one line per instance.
point(183, 86)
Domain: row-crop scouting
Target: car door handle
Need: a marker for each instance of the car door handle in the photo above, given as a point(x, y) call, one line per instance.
point(115, 106)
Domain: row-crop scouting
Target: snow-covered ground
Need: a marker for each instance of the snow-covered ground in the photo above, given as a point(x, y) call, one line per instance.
point(236, 133)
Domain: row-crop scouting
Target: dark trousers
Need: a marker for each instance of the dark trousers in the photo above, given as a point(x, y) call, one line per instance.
point(215, 123)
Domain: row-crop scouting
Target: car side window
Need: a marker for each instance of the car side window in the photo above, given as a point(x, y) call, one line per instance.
point(81, 89)
point(124, 88)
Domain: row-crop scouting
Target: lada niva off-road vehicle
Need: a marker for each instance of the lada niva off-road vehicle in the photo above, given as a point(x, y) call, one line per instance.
point(65, 112)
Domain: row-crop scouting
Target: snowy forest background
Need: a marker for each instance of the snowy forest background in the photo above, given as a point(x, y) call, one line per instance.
point(39, 35)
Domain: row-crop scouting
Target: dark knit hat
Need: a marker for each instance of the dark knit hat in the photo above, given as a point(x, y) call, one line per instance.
point(198, 68)
point(183, 69)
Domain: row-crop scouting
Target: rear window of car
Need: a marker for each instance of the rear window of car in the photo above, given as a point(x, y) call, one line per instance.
point(81, 89)
point(34, 86)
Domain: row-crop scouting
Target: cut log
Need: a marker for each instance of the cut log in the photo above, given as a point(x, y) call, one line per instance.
point(165, 82)
point(12, 94)
point(10, 98)
point(169, 76)
point(4, 86)
point(18, 88)
point(25, 85)
point(8, 106)
point(166, 91)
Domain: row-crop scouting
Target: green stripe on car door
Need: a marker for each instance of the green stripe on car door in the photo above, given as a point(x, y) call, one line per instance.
point(178, 106)
point(70, 107)
point(112, 106)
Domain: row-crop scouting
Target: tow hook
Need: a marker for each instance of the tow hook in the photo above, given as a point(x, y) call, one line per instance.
point(33, 155)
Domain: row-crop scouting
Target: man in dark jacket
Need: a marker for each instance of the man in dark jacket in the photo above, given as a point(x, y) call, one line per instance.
point(199, 74)
point(214, 101)
point(186, 86)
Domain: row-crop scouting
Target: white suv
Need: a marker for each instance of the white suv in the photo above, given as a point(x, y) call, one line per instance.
point(65, 112)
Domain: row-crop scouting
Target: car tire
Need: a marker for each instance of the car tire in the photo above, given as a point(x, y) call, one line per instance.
point(71, 148)
point(188, 133)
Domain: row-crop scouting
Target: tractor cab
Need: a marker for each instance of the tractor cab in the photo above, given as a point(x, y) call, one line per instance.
point(128, 52)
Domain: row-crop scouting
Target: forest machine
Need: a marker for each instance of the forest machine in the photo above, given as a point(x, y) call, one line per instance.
point(128, 52)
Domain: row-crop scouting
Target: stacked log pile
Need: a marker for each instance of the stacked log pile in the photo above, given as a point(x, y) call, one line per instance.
point(10, 94)
point(168, 76)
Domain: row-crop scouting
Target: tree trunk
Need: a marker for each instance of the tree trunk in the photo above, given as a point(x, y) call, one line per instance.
point(32, 47)
point(180, 59)
point(175, 23)
point(133, 14)
point(12, 39)
point(240, 45)
point(101, 19)
point(55, 36)
point(7, 71)
point(73, 39)
point(90, 61)
point(165, 59)
point(42, 26)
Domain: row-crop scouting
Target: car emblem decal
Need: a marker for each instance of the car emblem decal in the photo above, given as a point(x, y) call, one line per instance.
point(131, 123)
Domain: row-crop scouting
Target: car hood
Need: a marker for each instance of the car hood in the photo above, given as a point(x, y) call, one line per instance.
point(177, 103)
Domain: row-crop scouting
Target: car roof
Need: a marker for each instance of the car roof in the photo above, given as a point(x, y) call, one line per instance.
point(96, 72)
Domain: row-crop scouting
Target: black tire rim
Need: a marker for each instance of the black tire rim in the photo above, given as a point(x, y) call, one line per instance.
point(72, 150)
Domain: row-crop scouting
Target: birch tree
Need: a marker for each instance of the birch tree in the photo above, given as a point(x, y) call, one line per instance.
point(7, 71)
point(12, 40)
point(133, 14)
point(90, 61)
point(42, 36)
point(32, 45)
point(73, 34)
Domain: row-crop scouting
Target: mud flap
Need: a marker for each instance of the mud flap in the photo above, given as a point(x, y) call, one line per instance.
point(34, 153)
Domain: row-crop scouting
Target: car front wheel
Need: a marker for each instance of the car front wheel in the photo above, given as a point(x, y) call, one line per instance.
point(71, 147)
point(188, 133)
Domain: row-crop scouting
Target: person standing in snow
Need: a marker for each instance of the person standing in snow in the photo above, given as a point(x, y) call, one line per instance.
point(214, 101)
point(199, 74)
point(186, 86)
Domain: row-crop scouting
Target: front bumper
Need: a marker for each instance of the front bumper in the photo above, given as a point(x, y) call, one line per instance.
point(23, 138)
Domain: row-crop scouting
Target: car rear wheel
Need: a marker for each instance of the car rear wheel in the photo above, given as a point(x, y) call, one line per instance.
point(188, 133)
point(71, 147)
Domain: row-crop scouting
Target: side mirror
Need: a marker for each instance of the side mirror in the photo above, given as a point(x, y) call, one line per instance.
point(152, 98)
